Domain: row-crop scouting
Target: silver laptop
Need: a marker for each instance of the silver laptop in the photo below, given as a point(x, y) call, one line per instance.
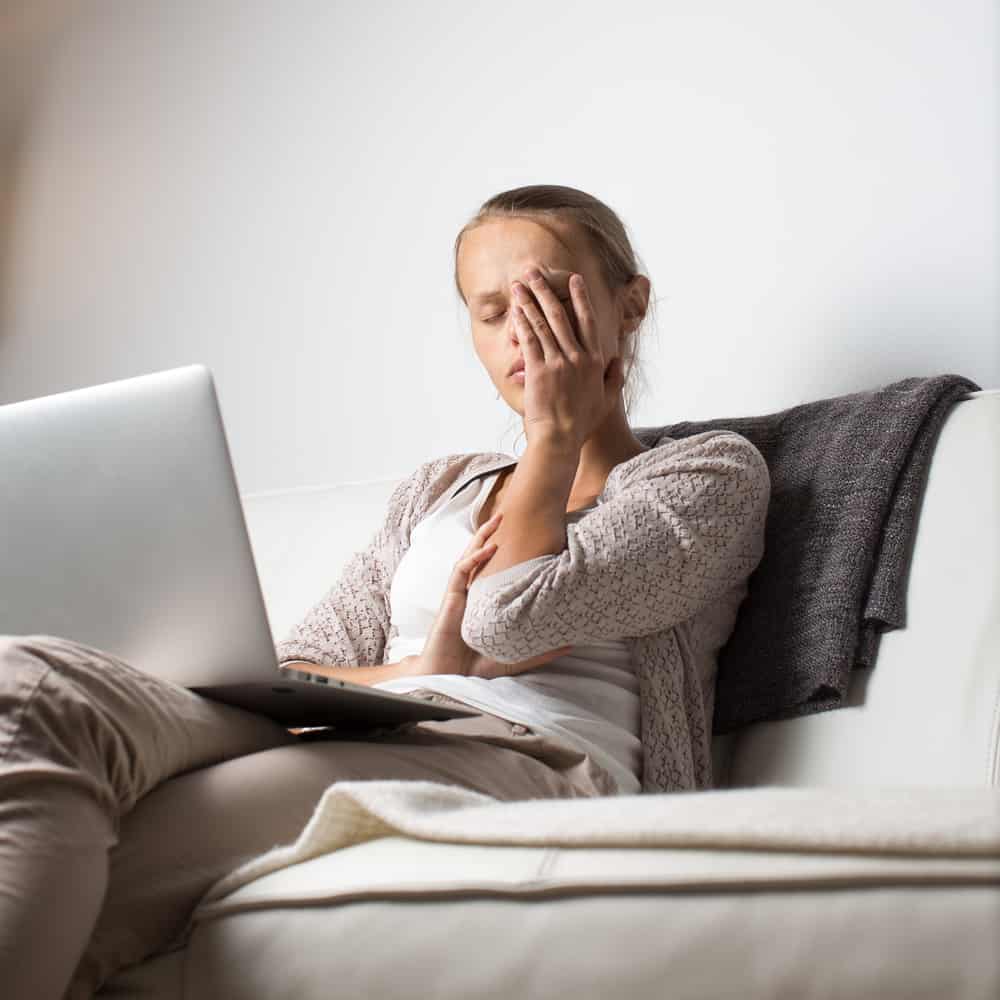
point(121, 527)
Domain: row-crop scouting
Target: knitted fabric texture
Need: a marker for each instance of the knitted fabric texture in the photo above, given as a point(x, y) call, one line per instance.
point(847, 477)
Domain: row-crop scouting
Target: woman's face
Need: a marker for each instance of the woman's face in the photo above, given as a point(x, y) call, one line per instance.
point(498, 252)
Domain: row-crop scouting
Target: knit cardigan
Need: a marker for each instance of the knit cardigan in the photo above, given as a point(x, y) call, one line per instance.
point(661, 563)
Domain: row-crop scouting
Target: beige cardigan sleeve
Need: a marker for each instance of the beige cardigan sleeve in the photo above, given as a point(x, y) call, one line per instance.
point(682, 525)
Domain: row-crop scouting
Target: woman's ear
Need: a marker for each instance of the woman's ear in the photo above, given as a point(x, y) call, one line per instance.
point(636, 302)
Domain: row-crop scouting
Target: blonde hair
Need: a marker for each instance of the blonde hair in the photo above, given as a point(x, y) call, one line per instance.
point(604, 234)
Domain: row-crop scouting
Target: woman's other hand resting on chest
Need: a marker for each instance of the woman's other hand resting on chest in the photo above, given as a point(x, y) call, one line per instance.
point(445, 651)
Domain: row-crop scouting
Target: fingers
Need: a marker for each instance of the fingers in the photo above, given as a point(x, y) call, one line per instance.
point(477, 558)
point(544, 324)
point(479, 551)
point(550, 320)
point(464, 571)
point(485, 530)
point(481, 557)
point(532, 326)
point(584, 310)
point(532, 345)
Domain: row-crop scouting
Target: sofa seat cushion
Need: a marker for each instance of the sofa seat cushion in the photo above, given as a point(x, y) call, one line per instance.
point(394, 917)
point(753, 892)
point(404, 869)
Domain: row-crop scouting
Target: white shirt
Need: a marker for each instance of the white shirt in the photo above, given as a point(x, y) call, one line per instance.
point(589, 698)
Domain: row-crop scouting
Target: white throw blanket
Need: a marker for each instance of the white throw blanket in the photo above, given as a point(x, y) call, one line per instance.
point(932, 822)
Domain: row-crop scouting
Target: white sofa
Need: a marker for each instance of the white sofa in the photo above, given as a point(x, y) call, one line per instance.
point(695, 922)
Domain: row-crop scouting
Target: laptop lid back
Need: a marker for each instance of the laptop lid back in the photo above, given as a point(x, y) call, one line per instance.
point(121, 527)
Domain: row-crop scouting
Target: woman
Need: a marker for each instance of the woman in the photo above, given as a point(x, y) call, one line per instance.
point(585, 589)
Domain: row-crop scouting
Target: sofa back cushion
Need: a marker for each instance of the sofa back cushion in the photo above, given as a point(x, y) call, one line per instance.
point(302, 539)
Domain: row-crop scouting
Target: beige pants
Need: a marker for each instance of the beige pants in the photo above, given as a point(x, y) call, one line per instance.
point(123, 798)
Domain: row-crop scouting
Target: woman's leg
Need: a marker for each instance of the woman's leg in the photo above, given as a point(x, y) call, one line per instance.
point(95, 755)
point(198, 827)
point(84, 736)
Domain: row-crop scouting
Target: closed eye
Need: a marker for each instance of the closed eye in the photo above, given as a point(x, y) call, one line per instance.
point(493, 319)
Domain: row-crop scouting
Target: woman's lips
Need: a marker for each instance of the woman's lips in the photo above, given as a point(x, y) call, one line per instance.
point(518, 376)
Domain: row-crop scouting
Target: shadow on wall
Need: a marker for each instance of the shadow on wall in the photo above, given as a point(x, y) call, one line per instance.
point(11, 148)
point(30, 31)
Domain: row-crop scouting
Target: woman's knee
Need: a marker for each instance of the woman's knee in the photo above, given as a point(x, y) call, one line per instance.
point(44, 667)
point(64, 716)
point(23, 667)
point(32, 656)
point(16, 648)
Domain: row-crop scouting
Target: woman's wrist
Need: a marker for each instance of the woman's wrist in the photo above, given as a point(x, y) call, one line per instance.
point(563, 445)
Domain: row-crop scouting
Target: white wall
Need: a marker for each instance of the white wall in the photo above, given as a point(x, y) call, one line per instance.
point(273, 189)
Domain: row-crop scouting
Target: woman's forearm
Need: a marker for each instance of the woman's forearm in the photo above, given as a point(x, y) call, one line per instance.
point(406, 667)
point(534, 505)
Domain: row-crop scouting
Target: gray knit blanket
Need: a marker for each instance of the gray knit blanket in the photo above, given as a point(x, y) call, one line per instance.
point(847, 477)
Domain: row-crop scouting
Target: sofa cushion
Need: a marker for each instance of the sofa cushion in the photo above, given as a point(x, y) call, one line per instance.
point(397, 918)
point(303, 538)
